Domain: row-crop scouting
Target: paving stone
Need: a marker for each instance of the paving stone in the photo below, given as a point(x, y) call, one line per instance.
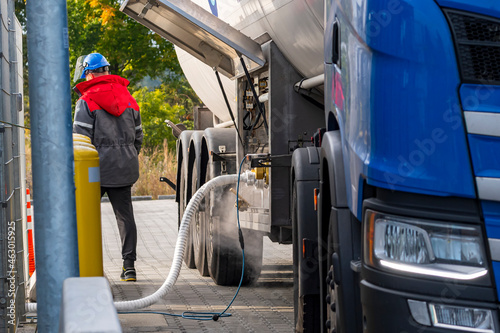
point(267, 306)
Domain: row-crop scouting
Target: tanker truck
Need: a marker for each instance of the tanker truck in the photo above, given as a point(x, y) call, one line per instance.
point(372, 130)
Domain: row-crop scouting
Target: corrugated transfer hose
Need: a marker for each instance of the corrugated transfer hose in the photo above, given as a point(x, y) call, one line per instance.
point(180, 246)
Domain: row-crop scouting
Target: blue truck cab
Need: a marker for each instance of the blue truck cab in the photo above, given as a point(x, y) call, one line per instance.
point(410, 166)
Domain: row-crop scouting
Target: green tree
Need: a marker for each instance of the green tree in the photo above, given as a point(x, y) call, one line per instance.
point(172, 101)
point(132, 49)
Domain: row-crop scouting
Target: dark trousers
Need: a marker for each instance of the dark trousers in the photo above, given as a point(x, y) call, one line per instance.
point(121, 200)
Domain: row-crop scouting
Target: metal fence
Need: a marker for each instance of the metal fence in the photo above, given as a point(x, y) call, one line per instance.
point(12, 171)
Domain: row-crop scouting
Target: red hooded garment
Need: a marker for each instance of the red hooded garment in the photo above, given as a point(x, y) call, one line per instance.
point(109, 115)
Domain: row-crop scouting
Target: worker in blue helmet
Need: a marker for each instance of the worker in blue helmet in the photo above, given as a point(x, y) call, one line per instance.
point(90, 63)
point(109, 115)
point(94, 63)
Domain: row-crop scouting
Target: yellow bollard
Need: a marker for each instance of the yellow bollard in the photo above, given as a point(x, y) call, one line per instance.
point(88, 209)
point(81, 138)
point(83, 144)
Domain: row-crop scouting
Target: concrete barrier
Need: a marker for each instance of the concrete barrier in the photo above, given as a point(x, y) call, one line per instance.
point(87, 306)
point(166, 197)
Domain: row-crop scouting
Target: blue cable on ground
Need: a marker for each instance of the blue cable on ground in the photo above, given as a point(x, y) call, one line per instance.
point(193, 315)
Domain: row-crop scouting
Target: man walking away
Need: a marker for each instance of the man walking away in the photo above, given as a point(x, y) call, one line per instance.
point(109, 115)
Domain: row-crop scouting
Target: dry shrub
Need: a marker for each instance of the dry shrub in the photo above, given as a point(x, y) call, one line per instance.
point(155, 163)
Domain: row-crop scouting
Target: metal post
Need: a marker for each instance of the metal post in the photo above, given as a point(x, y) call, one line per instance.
point(52, 154)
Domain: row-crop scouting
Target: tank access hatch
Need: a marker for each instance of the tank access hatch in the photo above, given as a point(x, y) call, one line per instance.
point(199, 33)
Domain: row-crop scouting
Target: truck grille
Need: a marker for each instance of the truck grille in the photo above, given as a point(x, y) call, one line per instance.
point(477, 43)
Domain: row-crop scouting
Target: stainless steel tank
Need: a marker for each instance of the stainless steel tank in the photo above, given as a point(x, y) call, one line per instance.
point(296, 26)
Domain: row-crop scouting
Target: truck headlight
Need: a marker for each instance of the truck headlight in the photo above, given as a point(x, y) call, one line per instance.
point(414, 246)
point(465, 319)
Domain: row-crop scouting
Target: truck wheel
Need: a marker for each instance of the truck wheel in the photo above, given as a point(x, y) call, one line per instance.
point(307, 307)
point(343, 309)
point(197, 228)
point(333, 310)
point(223, 253)
point(188, 253)
point(224, 257)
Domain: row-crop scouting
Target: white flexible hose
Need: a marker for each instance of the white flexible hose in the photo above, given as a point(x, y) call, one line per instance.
point(180, 247)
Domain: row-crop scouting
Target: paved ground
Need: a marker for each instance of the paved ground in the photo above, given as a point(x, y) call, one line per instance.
point(266, 306)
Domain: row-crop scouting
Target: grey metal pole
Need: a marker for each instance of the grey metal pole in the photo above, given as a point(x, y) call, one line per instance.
point(52, 155)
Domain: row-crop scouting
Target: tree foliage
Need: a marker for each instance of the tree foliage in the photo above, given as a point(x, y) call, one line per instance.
point(171, 101)
point(98, 26)
point(132, 50)
point(135, 53)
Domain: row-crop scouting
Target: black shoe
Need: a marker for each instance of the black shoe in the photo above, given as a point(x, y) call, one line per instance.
point(128, 274)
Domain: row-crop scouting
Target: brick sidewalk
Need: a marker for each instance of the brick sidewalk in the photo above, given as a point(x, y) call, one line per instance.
point(265, 307)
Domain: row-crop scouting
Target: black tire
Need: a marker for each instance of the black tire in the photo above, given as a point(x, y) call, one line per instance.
point(197, 227)
point(306, 307)
point(343, 309)
point(183, 200)
point(224, 255)
point(333, 311)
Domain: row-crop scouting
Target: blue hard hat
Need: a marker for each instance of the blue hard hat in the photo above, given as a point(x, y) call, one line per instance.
point(92, 62)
